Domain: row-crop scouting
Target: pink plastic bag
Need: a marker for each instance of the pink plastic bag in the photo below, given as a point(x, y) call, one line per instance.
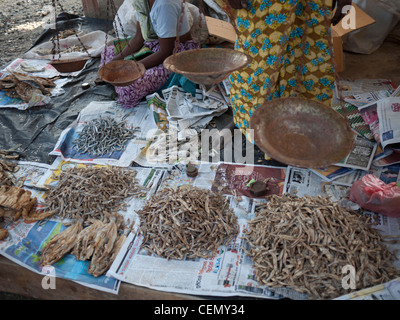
point(373, 194)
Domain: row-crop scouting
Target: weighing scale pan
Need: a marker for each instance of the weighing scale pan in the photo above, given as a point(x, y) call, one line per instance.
point(301, 132)
point(207, 66)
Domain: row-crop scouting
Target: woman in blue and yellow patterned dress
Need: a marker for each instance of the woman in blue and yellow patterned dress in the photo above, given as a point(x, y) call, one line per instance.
point(271, 32)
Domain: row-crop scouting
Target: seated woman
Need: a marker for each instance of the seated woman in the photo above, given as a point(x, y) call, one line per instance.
point(156, 29)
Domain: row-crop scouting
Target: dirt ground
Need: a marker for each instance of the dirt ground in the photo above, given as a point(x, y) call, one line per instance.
point(21, 24)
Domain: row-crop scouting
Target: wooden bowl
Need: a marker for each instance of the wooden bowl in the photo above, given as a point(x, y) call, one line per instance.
point(121, 73)
point(69, 65)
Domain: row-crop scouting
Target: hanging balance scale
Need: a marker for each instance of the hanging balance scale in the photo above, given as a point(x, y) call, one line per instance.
point(301, 132)
point(206, 66)
point(66, 65)
point(120, 73)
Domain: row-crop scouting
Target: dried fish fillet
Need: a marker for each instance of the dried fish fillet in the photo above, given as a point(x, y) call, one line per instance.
point(83, 248)
point(104, 247)
point(60, 244)
point(3, 234)
point(179, 223)
point(303, 243)
point(15, 201)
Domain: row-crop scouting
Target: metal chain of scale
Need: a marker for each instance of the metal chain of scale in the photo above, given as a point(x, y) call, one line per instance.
point(56, 41)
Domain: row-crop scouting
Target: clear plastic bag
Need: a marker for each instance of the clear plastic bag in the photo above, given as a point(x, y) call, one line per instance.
point(373, 194)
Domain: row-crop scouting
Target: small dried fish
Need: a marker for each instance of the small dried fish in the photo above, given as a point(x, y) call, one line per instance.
point(103, 136)
point(92, 192)
point(179, 223)
point(304, 242)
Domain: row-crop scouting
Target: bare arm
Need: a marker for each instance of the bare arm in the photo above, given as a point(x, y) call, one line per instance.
point(166, 49)
point(134, 45)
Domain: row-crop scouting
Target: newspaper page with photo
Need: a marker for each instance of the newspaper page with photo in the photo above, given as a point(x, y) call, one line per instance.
point(361, 156)
point(389, 122)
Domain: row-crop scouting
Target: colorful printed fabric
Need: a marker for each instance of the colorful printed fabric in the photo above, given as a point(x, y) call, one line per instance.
point(150, 82)
point(120, 44)
point(271, 32)
point(143, 15)
point(355, 119)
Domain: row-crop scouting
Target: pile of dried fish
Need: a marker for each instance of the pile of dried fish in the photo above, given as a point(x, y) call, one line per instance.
point(16, 202)
point(24, 87)
point(92, 192)
point(7, 167)
point(303, 243)
point(103, 136)
point(99, 243)
point(179, 223)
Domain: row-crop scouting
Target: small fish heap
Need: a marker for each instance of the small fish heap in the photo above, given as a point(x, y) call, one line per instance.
point(303, 243)
point(186, 223)
point(92, 192)
point(103, 136)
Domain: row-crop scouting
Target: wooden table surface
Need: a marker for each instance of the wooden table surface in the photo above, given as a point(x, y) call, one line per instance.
point(19, 280)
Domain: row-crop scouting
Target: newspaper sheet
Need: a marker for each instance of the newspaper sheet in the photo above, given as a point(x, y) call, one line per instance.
point(302, 182)
point(136, 118)
point(193, 112)
point(25, 240)
point(392, 157)
point(229, 273)
point(386, 291)
point(71, 47)
point(389, 122)
point(332, 172)
point(361, 156)
point(364, 91)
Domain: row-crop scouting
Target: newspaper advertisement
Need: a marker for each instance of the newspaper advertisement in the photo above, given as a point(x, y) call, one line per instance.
point(331, 173)
point(139, 119)
point(388, 111)
point(361, 156)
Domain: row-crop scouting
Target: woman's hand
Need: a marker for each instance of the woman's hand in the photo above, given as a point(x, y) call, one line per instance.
point(339, 4)
point(238, 4)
